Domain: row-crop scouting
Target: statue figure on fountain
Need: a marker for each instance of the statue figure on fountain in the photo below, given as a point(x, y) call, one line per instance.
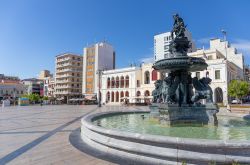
point(156, 93)
point(202, 90)
point(180, 43)
point(179, 27)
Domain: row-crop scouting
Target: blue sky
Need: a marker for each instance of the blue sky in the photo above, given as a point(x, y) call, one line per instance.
point(33, 32)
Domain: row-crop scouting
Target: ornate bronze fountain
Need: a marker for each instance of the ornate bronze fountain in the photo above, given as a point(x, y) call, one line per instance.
point(177, 97)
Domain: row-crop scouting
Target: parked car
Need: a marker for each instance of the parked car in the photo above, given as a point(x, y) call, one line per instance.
point(235, 101)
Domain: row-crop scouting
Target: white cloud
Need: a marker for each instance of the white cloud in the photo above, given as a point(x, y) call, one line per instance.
point(147, 59)
point(242, 45)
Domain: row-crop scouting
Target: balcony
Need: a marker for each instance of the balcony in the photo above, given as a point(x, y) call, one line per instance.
point(68, 70)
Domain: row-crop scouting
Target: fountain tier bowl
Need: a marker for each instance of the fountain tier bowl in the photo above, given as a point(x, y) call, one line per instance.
point(181, 63)
point(125, 134)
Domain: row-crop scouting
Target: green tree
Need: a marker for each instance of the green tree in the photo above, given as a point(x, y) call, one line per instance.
point(45, 98)
point(32, 97)
point(238, 89)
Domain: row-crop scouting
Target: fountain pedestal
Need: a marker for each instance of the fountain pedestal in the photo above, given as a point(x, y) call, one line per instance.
point(173, 114)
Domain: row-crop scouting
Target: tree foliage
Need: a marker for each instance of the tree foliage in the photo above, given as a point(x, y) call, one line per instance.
point(32, 97)
point(238, 89)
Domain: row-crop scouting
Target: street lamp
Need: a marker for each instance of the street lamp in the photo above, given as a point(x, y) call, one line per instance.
point(99, 72)
point(14, 96)
point(226, 74)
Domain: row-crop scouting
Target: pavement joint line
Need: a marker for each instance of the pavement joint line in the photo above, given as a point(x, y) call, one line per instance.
point(11, 156)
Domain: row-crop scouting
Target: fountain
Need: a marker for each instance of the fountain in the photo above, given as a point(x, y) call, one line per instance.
point(178, 129)
point(174, 99)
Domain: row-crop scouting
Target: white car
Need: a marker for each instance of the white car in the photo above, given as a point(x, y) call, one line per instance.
point(235, 101)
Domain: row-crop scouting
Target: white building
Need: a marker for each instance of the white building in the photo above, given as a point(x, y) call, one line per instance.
point(68, 76)
point(220, 69)
point(134, 83)
point(161, 45)
point(100, 56)
point(49, 86)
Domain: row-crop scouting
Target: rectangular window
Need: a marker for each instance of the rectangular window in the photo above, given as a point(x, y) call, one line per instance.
point(138, 83)
point(210, 57)
point(217, 74)
point(166, 47)
point(198, 75)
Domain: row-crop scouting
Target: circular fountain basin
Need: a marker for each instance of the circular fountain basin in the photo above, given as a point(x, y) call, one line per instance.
point(181, 63)
point(142, 139)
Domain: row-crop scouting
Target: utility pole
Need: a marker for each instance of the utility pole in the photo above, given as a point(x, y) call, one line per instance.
point(226, 69)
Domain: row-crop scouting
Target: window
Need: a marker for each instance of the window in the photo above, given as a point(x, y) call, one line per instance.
point(122, 82)
point(198, 75)
point(112, 82)
point(217, 74)
point(108, 83)
point(117, 82)
point(127, 81)
point(166, 47)
point(210, 57)
point(146, 77)
point(73, 74)
point(154, 75)
point(138, 83)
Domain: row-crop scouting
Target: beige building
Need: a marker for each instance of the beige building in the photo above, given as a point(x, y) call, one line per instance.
point(68, 76)
point(44, 74)
point(224, 65)
point(133, 83)
point(100, 56)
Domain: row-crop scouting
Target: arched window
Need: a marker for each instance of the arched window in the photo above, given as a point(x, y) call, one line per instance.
point(108, 83)
point(127, 94)
point(122, 82)
point(127, 81)
point(218, 95)
point(108, 96)
point(154, 75)
point(117, 82)
point(146, 93)
point(112, 96)
point(112, 82)
point(117, 96)
point(122, 95)
point(146, 77)
point(138, 93)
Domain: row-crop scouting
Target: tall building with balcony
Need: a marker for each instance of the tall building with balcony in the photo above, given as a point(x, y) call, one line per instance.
point(100, 56)
point(68, 76)
point(162, 42)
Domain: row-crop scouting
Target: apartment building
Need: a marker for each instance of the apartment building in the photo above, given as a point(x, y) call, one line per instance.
point(68, 76)
point(33, 86)
point(162, 42)
point(100, 56)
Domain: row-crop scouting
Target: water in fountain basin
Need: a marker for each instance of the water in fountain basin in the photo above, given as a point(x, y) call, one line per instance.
point(229, 128)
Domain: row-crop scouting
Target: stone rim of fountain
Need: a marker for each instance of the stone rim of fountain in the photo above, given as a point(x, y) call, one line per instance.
point(162, 148)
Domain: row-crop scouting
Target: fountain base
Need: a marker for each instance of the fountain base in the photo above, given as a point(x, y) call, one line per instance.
point(174, 114)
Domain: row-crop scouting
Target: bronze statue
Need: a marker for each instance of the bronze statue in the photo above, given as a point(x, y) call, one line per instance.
point(202, 89)
point(178, 28)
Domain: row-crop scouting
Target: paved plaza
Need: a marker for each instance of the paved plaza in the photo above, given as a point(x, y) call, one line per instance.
point(40, 135)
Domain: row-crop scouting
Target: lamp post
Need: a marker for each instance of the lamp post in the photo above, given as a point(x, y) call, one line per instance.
point(14, 96)
point(99, 72)
point(226, 70)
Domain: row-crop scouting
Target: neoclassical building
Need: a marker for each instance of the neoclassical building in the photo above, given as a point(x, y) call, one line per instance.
point(133, 83)
point(224, 65)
